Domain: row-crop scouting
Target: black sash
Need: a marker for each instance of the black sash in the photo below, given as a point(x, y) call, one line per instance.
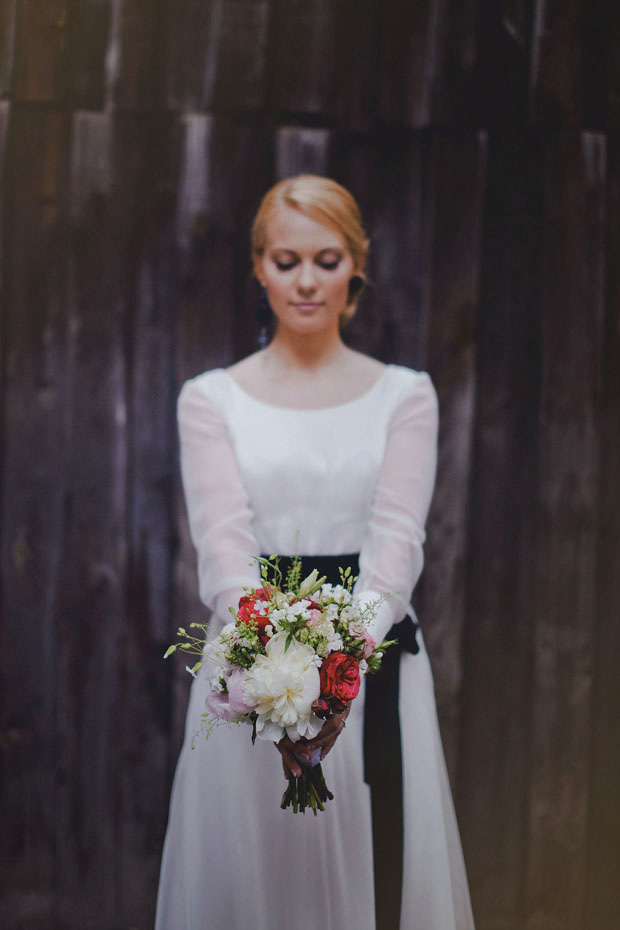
point(383, 770)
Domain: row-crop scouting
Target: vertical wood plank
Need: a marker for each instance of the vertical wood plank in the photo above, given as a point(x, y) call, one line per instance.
point(603, 860)
point(301, 150)
point(235, 73)
point(41, 49)
point(35, 436)
point(187, 28)
point(8, 10)
point(453, 97)
point(556, 77)
point(145, 683)
point(565, 583)
point(303, 66)
point(485, 69)
point(135, 57)
point(494, 744)
point(91, 572)
point(408, 61)
point(88, 33)
point(356, 64)
point(457, 172)
point(388, 323)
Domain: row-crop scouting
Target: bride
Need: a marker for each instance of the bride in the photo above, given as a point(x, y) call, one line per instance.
point(309, 448)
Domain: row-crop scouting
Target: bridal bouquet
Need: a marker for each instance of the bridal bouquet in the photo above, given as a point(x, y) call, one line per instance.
point(293, 654)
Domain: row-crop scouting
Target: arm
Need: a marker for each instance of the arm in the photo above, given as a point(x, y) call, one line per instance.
point(220, 519)
point(391, 556)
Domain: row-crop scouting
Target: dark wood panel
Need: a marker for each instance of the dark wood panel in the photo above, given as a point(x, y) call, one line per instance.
point(603, 851)
point(303, 56)
point(456, 189)
point(409, 36)
point(34, 495)
point(136, 55)
point(235, 76)
point(151, 407)
point(494, 747)
point(88, 34)
point(92, 569)
point(299, 151)
point(496, 91)
point(565, 584)
point(187, 30)
point(556, 76)
point(7, 44)
point(386, 173)
point(40, 49)
point(354, 102)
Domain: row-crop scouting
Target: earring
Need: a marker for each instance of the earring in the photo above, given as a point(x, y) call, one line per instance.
point(356, 283)
point(264, 315)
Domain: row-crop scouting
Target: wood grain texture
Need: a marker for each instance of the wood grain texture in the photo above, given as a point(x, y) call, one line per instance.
point(236, 65)
point(603, 850)
point(389, 321)
point(494, 746)
point(34, 494)
point(93, 557)
point(303, 56)
point(408, 62)
point(88, 34)
point(454, 235)
point(565, 568)
point(41, 42)
point(145, 689)
point(135, 57)
point(556, 75)
point(301, 151)
point(8, 10)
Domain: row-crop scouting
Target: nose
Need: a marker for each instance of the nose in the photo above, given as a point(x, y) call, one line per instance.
point(306, 281)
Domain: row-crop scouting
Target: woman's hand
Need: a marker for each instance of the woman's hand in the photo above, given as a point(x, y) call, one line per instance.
point(330, 731)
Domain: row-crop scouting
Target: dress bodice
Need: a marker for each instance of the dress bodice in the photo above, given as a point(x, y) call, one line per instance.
point(357, 476)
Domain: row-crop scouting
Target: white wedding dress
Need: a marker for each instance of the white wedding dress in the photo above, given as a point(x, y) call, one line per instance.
point(258, 478)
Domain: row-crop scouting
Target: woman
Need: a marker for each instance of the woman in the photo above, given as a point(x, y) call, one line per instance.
point(307, 447)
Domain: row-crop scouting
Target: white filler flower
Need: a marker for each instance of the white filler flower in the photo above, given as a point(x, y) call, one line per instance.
point(283, 685)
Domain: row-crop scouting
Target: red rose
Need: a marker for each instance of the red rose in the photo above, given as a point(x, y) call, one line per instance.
point(340, 679)
point(247, 612)
point(322, 708)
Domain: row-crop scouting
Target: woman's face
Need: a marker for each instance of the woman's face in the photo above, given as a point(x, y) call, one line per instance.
point(306, 269)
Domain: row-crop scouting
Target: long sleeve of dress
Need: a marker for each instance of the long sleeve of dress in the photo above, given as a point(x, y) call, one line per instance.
point(219, 515)
point(391, 555)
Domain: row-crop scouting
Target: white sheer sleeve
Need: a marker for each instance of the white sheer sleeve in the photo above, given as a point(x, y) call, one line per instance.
point(391, 555)
point(220, 519)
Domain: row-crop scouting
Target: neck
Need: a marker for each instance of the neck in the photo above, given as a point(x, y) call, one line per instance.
point(306, 350)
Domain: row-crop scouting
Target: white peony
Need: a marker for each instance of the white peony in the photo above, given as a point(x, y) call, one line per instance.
point(282, 686)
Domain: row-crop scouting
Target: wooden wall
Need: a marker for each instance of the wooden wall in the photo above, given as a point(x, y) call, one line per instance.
point(482, 139)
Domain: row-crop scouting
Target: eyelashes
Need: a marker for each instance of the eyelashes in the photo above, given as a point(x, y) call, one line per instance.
point(329, 266)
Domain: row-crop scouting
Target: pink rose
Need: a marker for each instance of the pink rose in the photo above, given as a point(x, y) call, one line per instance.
point(315, 617)
point(236, 694)
point(218, 704)
point(230, 705)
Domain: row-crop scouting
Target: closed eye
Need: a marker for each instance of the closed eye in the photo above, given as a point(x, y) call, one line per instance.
point(329, 266)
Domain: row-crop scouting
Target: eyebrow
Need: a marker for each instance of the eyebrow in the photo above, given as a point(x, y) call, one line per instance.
point(332, 248)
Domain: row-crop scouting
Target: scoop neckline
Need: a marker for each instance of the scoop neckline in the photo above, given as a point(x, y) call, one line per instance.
point(346, 403)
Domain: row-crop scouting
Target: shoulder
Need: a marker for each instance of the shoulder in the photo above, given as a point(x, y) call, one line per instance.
point(411, 382)
point(413, 398)
point(204, 393)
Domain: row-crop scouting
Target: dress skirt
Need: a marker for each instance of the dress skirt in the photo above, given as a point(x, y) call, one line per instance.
point(233, 859)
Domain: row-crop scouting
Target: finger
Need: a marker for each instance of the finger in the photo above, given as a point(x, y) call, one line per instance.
point(290, 765)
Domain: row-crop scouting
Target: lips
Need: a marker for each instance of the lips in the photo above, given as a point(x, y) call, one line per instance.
point(307, 306)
